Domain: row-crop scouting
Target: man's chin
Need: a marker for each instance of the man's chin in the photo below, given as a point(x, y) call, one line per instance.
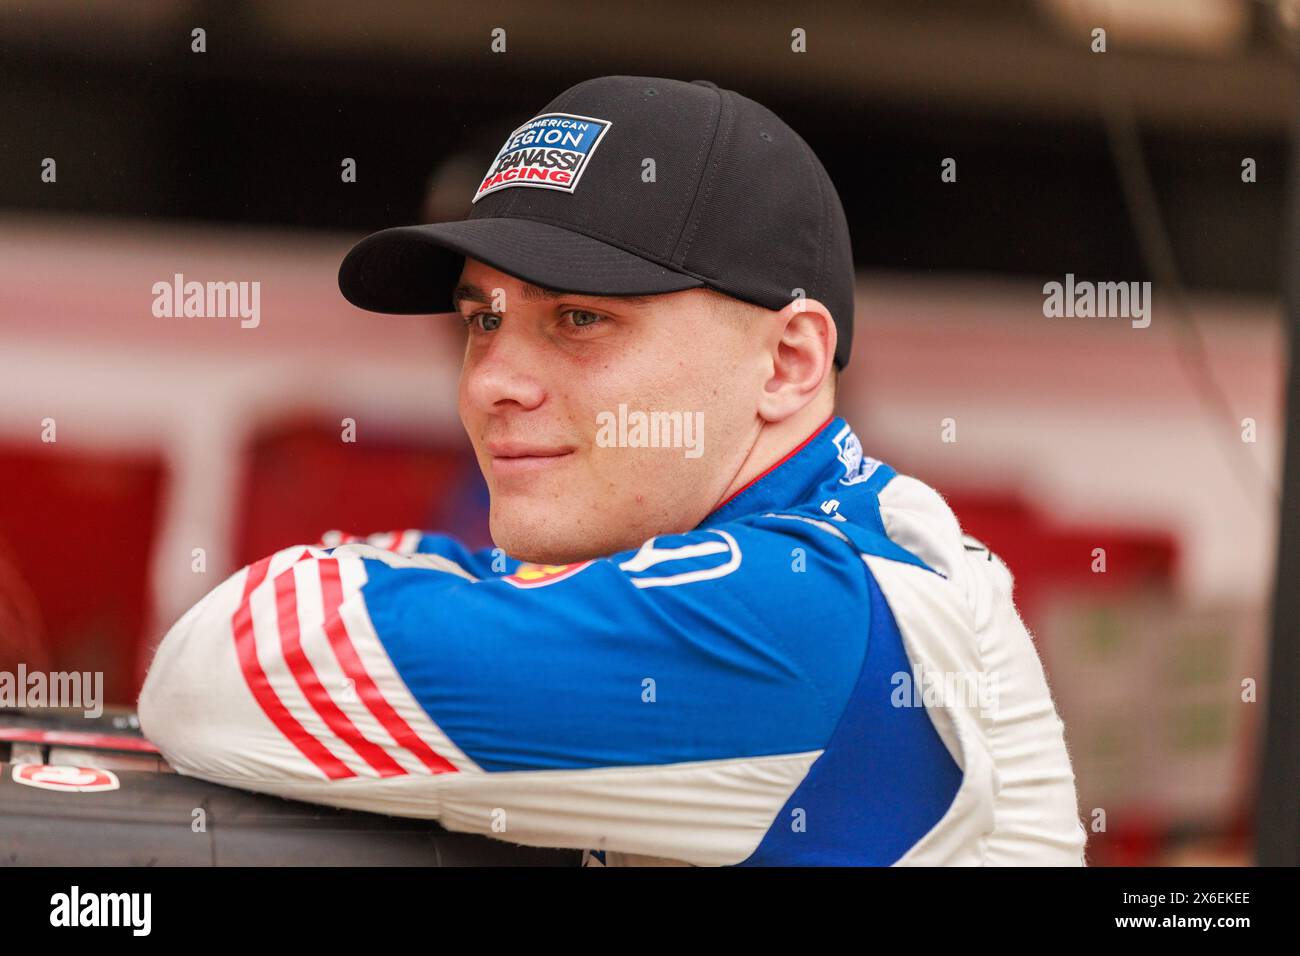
point(542, 542)
point(539, 533)
point(546, 553)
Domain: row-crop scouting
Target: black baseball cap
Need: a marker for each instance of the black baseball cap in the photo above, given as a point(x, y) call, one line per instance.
point(634, 185)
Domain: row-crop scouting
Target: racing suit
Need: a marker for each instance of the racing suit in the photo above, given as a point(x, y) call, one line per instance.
point(824, 671)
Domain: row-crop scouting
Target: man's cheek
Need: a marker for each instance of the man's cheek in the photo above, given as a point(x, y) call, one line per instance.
point(595, 481)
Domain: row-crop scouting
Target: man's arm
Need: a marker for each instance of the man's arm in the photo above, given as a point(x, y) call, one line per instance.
point(664, 701)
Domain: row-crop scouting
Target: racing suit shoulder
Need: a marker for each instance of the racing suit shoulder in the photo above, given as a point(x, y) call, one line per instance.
point(944, 600)
point(1008, 730)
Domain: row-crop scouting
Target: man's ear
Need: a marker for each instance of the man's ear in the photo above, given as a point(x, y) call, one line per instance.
point(802, 356)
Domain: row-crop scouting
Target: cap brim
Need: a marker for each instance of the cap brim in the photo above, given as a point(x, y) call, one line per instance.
point(413, 269)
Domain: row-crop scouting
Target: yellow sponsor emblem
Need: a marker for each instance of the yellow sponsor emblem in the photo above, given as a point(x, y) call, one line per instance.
point(540, 575)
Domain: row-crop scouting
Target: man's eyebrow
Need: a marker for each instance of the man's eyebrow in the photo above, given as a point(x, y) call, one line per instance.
point(469, 292)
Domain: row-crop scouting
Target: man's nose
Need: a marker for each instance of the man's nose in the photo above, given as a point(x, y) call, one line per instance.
point(504, 370)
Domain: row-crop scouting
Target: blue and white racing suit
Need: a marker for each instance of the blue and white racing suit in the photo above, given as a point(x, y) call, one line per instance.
point(825, 671)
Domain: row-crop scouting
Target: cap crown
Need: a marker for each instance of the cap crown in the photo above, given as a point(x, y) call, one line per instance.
point(695, 178)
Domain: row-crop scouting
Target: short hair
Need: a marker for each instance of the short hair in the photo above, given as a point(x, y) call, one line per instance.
point(729, 308)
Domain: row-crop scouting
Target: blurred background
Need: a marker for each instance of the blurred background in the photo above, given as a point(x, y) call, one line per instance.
point(177, 434)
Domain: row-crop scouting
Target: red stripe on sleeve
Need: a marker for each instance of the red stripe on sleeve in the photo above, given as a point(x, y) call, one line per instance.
point(331, 586)
point(264, 694)
point(286, 606)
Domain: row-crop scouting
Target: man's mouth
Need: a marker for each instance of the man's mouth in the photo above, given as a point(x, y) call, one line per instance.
point(514, 458)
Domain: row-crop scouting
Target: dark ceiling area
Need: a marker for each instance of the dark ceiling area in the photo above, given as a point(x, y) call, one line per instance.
point(254, 129)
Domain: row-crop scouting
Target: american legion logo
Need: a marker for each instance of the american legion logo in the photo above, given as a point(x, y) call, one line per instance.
point(549, 152)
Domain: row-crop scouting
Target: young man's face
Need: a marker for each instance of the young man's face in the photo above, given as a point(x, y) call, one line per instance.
point(541, 387)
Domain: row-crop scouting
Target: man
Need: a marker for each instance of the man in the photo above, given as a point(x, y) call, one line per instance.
point(722, 634)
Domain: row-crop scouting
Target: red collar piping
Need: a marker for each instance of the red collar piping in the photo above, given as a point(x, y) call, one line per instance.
point(771, 468)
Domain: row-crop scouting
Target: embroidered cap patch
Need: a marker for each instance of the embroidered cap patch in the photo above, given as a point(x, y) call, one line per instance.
point(550, 151)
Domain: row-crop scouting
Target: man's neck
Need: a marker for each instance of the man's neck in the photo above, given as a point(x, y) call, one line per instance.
point(777, 440)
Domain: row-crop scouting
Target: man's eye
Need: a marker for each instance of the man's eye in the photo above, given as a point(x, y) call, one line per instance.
point(483, 321)
point(581, 318)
